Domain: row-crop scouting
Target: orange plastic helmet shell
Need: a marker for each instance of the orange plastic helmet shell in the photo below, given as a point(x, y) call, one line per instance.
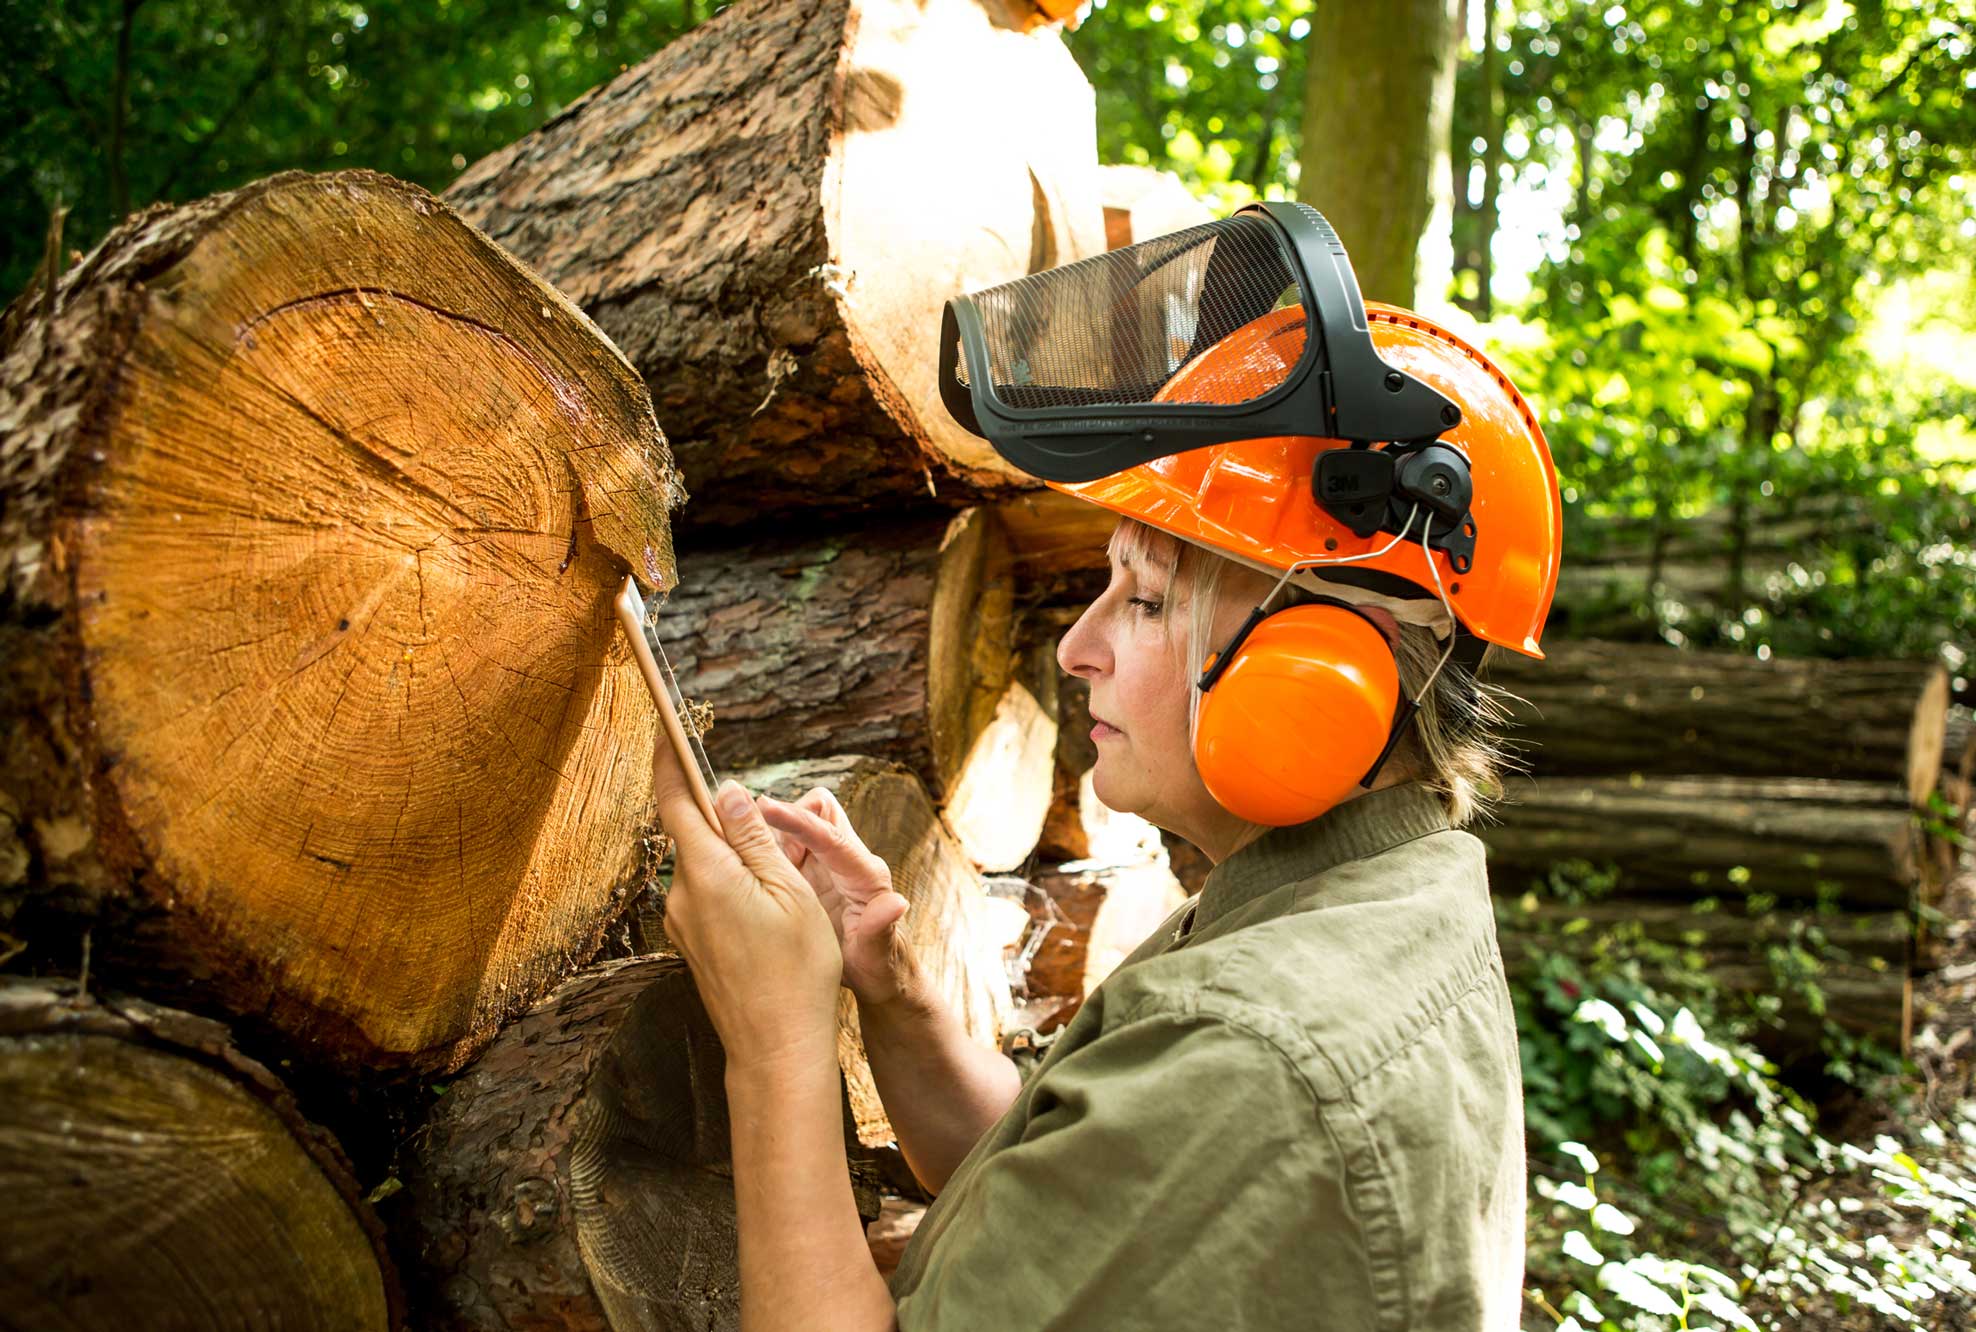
point(1253, 499)
point(1330, 671)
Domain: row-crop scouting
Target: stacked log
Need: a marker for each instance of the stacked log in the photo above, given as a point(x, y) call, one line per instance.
point(1724, 782)
point(579, 1174)
point(152, 1166)
point(778, 297)
point(317, 716)
point(768, 216)
point(316, 713)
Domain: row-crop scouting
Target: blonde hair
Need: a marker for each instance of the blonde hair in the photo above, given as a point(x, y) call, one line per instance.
point(1454, 744)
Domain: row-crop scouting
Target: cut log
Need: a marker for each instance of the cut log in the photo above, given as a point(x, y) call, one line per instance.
point(1094, 917)
point(1859, 958)
point(1068, 825)
point(768, 215)
point(1141, 203)
point(1602, 708)
point(895, 642)
point(578, 1174)
point(159, 1178)
point(889, 1235)
point(312, 503)
point(1794, 839)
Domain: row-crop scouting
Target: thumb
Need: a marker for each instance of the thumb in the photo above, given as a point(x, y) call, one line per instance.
point(882, 913)
point(746, 831)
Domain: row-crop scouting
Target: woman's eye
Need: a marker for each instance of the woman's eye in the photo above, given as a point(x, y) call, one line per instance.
point(1148, 608)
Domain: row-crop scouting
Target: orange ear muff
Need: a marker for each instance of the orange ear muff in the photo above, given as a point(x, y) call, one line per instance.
point(1299, 715)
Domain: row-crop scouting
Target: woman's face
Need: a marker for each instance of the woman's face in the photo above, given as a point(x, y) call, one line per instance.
point(1131, 644)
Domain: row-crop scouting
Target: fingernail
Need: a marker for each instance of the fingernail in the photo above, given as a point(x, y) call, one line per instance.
point(733, 799)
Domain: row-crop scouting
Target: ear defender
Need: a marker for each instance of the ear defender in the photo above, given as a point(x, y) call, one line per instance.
point(1298, 709)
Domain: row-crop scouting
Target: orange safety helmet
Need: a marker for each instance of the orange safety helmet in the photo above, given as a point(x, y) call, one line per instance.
point(1384, 445)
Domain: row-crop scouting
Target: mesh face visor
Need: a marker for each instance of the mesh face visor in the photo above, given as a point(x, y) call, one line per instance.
point(1065, 372)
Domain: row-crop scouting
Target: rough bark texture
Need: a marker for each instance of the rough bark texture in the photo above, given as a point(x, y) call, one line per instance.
point(767, 216)
point(1693, 836)
point(1597, 708)
point(897, 642)
point(311, 506)
point(159, 1178)
point(1378, 96)
point(577, 1175)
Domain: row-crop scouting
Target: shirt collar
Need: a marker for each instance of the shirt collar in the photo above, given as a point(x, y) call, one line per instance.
point(1365, 826)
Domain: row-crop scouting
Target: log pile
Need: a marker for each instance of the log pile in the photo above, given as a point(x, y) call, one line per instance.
point(1739, 802)
point(321, 737)
point(319, 726)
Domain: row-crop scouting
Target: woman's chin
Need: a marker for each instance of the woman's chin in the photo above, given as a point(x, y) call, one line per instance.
point(1118, 801)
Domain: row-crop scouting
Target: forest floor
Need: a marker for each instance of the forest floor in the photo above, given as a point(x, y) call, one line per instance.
point(1940, 1091)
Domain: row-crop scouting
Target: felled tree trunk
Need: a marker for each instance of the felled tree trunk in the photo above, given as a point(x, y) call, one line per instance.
point(897, 642)
point(315, 708)
point(767, 216)
point(578, 1174)
point(1861, 957)
point(1141, 203)
point(1094, 918)
point(1798, 839)
point(158, 1178)
point(1598, 708)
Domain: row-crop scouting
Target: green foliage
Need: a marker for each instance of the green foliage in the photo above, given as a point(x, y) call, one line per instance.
point(216, 93)
point(1212, 92)
point(1731, 1210)
point(1748, 184)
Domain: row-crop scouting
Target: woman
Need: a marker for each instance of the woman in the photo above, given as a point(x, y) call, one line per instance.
point(1298, 1103)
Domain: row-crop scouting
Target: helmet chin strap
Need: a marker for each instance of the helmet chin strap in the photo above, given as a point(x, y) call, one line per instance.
point(1403, 715)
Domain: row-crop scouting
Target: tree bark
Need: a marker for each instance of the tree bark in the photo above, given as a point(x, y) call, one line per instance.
point(578, 1174)
point(768, 215)
point(312, 504)
point(1377, 104)
point(1601, 708)
point(157, 1177)
point(897, 642)
point(1798, 839)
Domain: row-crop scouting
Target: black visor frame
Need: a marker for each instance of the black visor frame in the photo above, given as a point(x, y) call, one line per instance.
point(1339, 389)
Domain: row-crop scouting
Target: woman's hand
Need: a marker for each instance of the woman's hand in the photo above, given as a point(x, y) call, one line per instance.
point(854, 886)
point(759, 943)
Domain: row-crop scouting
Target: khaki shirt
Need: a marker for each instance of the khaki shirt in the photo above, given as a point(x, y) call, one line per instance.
point(1297, 1105)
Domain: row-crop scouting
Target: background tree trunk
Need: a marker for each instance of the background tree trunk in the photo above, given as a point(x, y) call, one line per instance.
point(1377, 101)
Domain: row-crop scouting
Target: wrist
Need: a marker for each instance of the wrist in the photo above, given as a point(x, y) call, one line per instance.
point(792, 1066)
point(905, 997)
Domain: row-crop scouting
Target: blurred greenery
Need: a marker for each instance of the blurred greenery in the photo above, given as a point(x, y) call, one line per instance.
point(215, 93)
point(1726, 249)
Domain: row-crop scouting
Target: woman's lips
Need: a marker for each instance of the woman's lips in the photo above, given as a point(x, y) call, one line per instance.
point(1102, 729)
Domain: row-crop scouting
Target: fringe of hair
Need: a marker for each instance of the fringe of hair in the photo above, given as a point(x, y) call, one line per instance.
point(1455, 743)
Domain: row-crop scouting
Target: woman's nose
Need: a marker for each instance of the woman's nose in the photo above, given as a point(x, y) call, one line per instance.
point(1081, 650)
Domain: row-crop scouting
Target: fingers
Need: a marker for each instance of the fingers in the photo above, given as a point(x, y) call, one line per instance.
point(837, 847)
point(679, 813)
point(748, 832)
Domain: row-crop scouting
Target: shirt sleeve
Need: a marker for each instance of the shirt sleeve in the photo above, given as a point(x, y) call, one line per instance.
point(1175, 1173)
